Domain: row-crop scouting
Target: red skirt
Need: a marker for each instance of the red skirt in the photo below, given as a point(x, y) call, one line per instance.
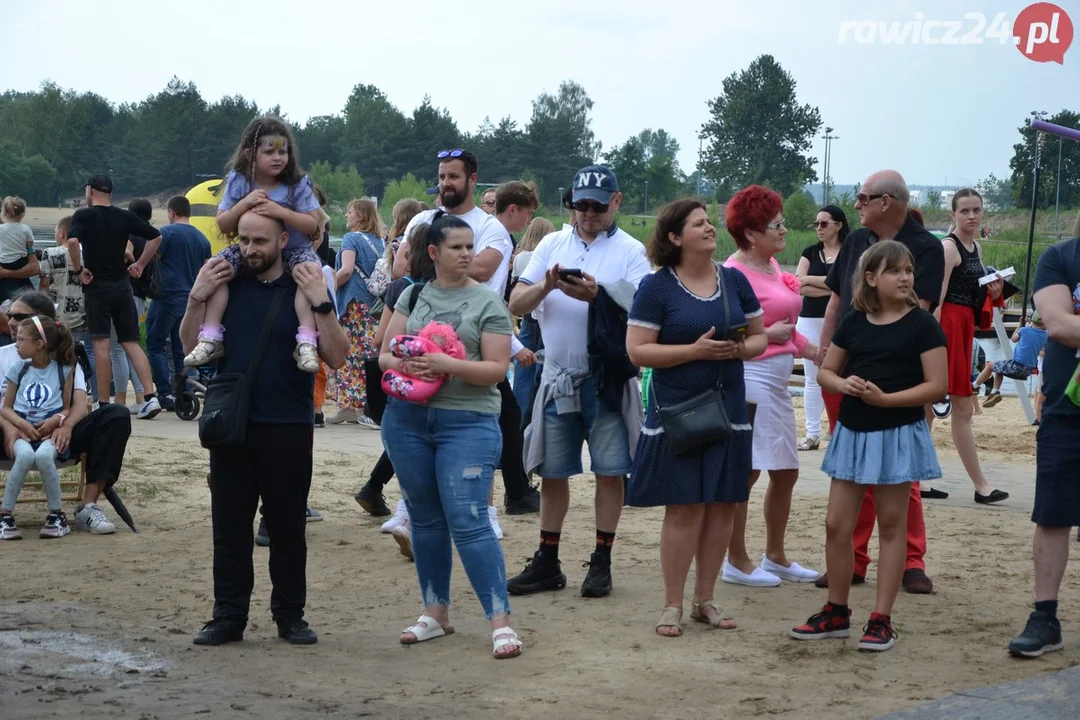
point(958, 324)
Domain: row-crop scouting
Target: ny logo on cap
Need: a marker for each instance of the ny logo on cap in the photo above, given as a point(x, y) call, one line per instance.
point(586, 179)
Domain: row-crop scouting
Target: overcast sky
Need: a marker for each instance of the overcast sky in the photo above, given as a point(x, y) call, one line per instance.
point(933, 112)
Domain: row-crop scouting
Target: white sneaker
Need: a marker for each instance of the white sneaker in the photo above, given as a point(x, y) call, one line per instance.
point(399, 518)
point(93, 520)
point(402, 534)
point(493, 518)
point(792, 573)
point(149, 410)
point(365, 422)
point(759, 578)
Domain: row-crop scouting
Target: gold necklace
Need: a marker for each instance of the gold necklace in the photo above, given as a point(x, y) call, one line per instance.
point(755, 263)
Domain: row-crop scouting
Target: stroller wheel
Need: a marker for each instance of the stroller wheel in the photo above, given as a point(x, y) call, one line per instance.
point(187, 406)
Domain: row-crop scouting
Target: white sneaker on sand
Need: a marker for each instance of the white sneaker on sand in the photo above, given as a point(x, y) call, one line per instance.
point(91, 519)
point(149, 410)
point(367, 423)
point(493, 518)
point(399, 518)
point(759, 578)
point(793, 573)
point(402, 534)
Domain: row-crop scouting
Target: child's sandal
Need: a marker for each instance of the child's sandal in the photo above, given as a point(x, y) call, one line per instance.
point(206, 351)
point(307, 358)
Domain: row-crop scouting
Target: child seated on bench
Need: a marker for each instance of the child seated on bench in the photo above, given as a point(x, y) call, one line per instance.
point(1030, 340)
point(37, 402)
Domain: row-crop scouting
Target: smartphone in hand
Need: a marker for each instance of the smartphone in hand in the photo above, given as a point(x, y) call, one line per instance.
point(736, 333)
point(566, 273)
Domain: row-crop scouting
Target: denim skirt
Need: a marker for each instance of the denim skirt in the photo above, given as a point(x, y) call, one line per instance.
point(883, 457)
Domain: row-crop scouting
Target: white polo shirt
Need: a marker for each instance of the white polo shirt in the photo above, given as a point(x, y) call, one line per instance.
point(564, 320)
point(9, 356)
point(488, 232)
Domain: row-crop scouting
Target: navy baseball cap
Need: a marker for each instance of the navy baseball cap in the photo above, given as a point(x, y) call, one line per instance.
point(595, 182)
point(433, 190)
point(100, 182)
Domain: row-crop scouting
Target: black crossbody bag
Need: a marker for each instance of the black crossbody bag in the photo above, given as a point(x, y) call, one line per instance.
point(700, 421)
point(224, 420)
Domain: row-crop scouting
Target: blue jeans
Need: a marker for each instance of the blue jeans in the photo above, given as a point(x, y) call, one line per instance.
point(525, 377)
point(163, 324)
point(43, 459)
point(445, 463)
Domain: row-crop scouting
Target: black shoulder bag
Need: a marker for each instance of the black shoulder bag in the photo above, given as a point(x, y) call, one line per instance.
point(224, 420)
point(700, 421)
point(376, 398)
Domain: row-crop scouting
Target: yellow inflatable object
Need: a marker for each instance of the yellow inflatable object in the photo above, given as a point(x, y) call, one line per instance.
point(204, 199)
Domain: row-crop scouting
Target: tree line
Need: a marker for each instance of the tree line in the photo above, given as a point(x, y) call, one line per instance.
point(757, 132)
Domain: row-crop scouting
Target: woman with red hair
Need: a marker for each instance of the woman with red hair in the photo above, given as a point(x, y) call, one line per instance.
point(755, 220)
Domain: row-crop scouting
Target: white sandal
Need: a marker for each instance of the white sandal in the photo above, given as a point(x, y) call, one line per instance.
point(426, 628)
point(504, 637)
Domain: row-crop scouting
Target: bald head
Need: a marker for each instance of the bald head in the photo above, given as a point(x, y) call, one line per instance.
point(261, 240)
point(256, 223)
point(887, 182)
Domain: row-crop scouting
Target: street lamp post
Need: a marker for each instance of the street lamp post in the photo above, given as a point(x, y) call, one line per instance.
point(701, 140)
point(646, 197)
point(560, 202)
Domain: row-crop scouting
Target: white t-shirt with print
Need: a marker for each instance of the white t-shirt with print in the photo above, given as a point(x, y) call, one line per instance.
point(564, 320)
point(64, 287)
point(488, 232)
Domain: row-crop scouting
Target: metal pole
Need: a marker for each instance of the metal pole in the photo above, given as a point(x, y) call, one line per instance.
point(1031, 227)
point(1057, 202)
point(699, 145)
point(561, 208)
point(646, 197)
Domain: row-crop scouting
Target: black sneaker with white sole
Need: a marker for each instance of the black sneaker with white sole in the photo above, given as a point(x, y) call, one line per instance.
point(1042, 635)
point(56, 526)
point(541, 573)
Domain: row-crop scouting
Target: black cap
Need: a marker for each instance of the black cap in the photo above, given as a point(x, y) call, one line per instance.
point(101, 183)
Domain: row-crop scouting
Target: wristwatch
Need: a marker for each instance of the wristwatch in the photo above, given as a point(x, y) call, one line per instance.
point(325, 309)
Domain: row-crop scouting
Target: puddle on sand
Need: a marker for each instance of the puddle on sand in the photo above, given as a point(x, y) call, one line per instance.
point(67, 654)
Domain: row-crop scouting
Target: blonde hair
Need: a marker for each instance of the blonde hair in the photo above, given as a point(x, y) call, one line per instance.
point(882, 256)
point(537, 230)
point(405, 210)
point(368, 220)
point(14, 208)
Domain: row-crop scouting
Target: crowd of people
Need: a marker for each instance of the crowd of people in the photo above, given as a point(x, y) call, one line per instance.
point(413, 330)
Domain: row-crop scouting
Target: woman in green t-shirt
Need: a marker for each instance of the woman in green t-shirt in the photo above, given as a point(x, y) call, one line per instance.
point(445, 451)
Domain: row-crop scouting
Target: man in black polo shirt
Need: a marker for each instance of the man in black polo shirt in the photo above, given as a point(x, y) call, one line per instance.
point(275, 461)
point(883, 211)
point(102, 231)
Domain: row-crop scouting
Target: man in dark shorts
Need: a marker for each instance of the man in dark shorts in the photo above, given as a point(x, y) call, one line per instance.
point(1057, 455)
point(102, 230)
point(883, 211)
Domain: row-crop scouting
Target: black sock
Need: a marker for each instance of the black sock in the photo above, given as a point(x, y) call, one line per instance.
point(147, 397)
point(549, 544)
point(1047, 606)
point(604, 541)
point(839, 607)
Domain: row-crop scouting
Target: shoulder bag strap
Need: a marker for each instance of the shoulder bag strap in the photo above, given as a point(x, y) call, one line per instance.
point(356, 263)
point(413, 297)
point(727, 318)
point(264, 337)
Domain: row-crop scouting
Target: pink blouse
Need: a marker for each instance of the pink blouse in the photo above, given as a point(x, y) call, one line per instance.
point(778, 301)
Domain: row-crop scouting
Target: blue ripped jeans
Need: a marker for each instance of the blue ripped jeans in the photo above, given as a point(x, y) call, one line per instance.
point(445, 463)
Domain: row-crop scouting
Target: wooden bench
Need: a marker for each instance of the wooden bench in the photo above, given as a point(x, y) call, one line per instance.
point(70, 490)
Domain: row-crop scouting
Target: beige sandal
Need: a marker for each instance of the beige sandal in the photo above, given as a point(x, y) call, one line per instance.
point(698, 615)
point(671, 617)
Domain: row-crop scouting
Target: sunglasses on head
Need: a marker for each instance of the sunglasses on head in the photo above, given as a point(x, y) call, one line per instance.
point(583, 206)
point(456, 152)
point(863, 198)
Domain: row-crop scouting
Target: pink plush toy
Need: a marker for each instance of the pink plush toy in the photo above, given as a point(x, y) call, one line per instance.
point(436, 337)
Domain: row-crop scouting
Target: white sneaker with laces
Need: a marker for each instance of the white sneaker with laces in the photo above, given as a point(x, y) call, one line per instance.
point(149, 410)
point(399, 518)
point(92, 519)
point(8, 529)
point(792, 573)
point(493, 518)
point(365, 422)
point(759, 578)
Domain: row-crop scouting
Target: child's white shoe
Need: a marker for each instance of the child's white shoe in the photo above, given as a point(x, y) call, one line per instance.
point(307, 357)
point(207, 350)
point(8, 529)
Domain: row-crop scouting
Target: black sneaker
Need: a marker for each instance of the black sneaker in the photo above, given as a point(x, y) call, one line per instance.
point(530, 503)
point(598, 579)
point(1042, 635)
point(320, 420)
point(371, 499)
point(297, 632)
point(219, 632)
point(168, 403)
point(262, 537)
point(539, 574)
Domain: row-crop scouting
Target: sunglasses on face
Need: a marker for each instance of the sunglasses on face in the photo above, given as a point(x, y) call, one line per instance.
point(863, 198)
point(821, 224)
point(456, 152)
point(19, 317)
point(584, 206)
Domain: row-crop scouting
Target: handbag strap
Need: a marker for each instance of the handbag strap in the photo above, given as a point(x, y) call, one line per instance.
point(356, 265)
point(722, 286)
point(264, 337)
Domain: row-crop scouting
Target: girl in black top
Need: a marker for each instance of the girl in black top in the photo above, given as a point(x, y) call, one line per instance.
point(888, 359)
point(814, 265)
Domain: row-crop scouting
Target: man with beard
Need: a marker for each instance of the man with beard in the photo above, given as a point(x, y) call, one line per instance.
point(493, 250)
point(274, 461)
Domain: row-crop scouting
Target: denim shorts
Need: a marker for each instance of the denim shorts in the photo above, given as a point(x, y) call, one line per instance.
point(604, 430)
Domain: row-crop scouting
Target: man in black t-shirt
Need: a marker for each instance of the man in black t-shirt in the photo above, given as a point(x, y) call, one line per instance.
point(102, 230)
point(883, 211)
point(1057, 482)
point(274, 461)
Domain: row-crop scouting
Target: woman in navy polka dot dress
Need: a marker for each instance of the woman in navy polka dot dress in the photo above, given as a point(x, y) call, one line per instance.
point(679, 325)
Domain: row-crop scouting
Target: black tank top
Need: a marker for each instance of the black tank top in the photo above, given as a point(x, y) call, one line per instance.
point(964, 281)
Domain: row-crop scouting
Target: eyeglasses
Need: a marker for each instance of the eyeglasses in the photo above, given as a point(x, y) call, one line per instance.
point(776, 225)
point(822, 224)
point(863, 198)
point(456, 152)
point(584, 206)
point(19, 317)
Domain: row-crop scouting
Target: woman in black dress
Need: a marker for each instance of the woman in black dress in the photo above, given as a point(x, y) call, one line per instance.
point(679, 325)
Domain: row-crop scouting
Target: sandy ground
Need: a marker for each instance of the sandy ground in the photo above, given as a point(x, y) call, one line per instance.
point(102, 626)
point(46, 217)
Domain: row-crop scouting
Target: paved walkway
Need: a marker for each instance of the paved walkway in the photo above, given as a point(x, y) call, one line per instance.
point(1051, 696)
